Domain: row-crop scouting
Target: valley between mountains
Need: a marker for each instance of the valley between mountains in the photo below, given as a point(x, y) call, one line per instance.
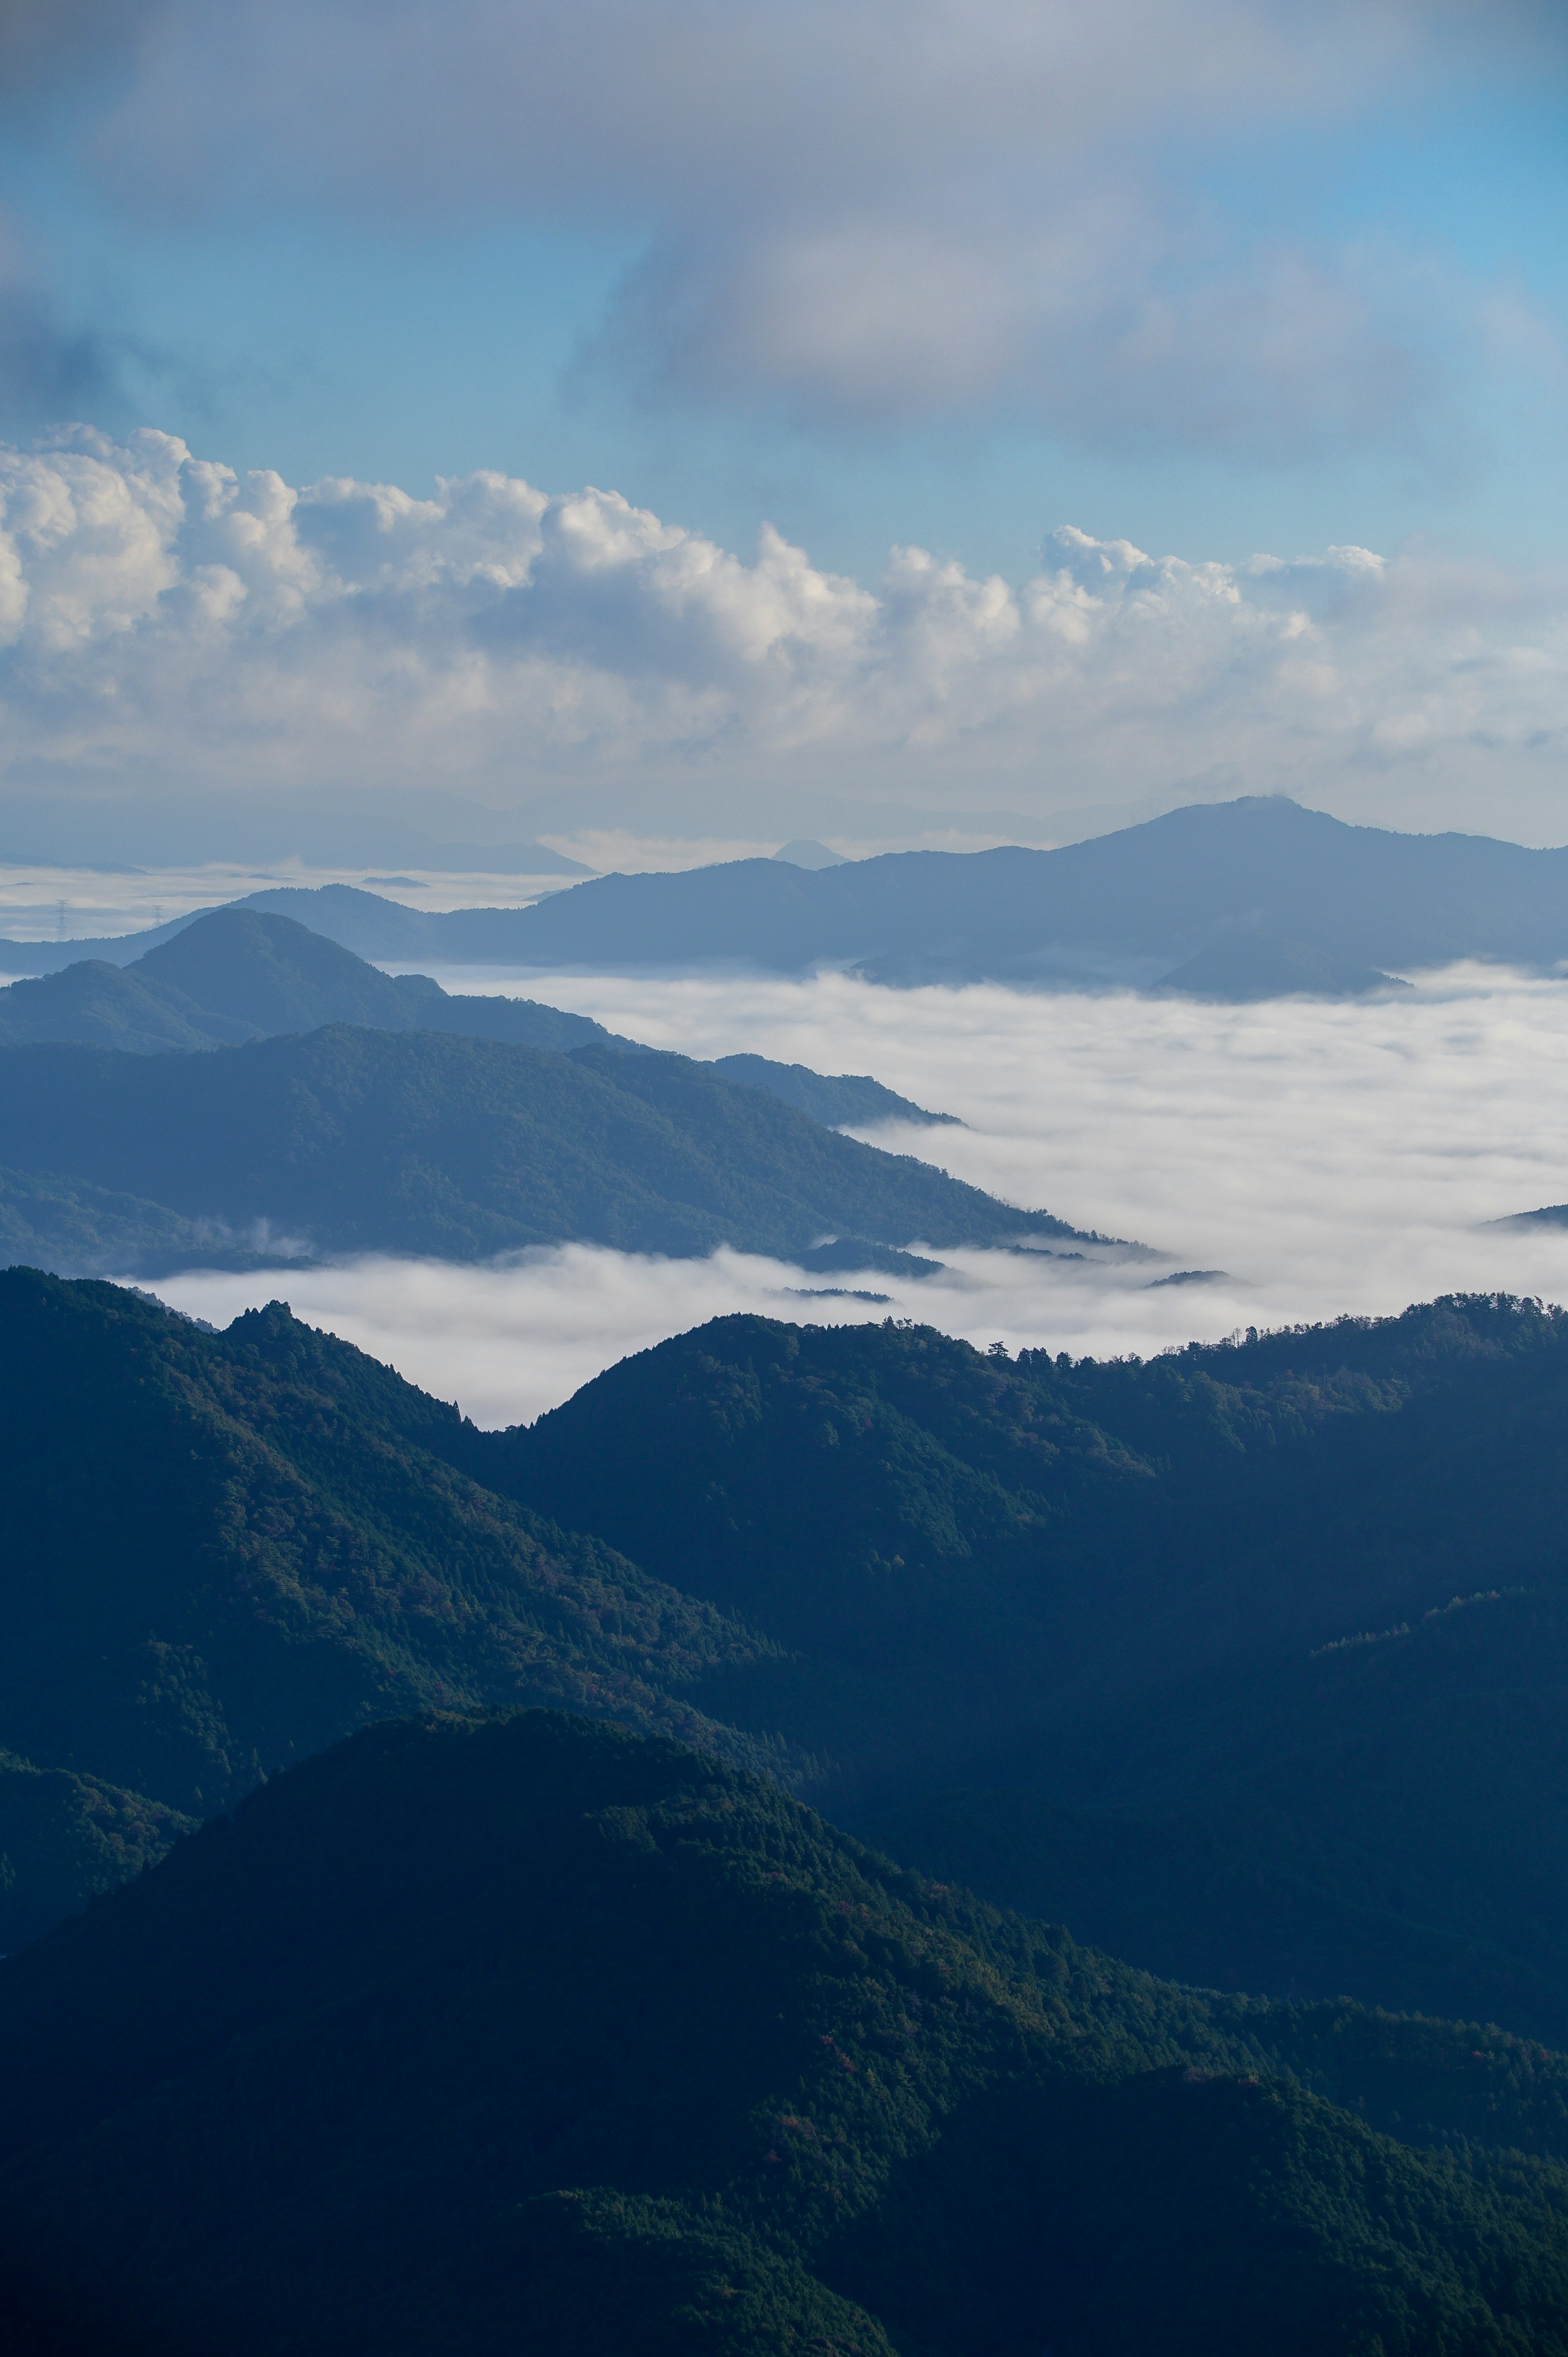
point(830, 1840)
point(1245, 1661)
point(502, 1960)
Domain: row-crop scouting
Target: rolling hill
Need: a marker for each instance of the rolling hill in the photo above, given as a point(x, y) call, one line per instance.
point(1168, 1652)
point(528, 2034)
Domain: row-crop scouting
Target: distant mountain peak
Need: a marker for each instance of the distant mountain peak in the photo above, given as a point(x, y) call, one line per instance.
point(806, 853)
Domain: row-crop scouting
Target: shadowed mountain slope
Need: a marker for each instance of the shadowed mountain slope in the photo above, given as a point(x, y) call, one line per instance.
point(1383, 1817)
point(1168, 1652)
point(1092, 1617)
point(221, 1552)
point(527, 2035)
point(352, 1140)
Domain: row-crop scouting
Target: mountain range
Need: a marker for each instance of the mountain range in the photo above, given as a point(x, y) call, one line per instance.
point(467, 1967)
point(351, 1140)
point(364, 1111)
point(1250, 898)
point(528, 2034)
point(242, 974)
point(1248, 1662)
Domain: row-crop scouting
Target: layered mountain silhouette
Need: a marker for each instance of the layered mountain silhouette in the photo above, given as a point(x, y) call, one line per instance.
point(1249, 1664)
point(242, 974)
point(530, 2034)
point(349, 1140)
point(1266, 896)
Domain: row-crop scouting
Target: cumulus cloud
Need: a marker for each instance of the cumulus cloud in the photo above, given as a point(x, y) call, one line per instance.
point(1328, 1157)
point(168, 625)
point(875, 209)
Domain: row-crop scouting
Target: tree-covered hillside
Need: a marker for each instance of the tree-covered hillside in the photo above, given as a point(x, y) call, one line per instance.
point(1079, 1629)
point(358, 1140)
point(1111, 1525)
point(526, 2034)
point(1168, 1652)
point(219, 1552)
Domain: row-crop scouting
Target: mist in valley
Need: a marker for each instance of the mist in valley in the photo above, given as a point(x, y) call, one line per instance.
point(1291, 1161)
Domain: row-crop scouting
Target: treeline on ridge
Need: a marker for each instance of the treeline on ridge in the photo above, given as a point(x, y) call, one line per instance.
point(1169, 1652)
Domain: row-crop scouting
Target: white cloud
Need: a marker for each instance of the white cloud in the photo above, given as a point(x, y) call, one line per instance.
point(885, 208)
point(1329, 1158)
point(169, 627)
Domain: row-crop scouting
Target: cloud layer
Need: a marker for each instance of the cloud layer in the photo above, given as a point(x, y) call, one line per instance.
point(168, 628)
point(1328, 1157)
point(885, 208)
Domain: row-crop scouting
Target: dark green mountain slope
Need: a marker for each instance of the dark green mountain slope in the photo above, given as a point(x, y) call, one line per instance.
point(356, 1140)
point(1066, 1634)
point(526, 2035)
point(1389, 1817)
point(1122, 1522)
point(65, 1838)
point(1089, 1597)
point(221, 1552)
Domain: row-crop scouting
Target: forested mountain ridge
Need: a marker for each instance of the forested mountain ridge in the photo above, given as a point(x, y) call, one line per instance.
point(351, 1140)
point(219, 1552)
point(528, 2034)
point(1169, 1652)
point(1373, 1464)
point(1094, 1621)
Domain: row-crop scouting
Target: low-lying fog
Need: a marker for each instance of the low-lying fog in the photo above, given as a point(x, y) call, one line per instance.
point(1326, 1157)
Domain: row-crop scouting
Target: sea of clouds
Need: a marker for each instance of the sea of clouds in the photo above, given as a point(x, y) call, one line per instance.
point(1329, 1158)
point(168, 626)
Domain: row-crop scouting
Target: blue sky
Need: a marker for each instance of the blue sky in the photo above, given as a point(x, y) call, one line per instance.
point(323, 323)
point(1213, 278)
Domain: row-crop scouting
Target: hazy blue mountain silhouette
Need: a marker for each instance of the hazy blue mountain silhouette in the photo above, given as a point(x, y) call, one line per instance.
point(248, 974)
point(350, 1139)
point(1131, 906)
